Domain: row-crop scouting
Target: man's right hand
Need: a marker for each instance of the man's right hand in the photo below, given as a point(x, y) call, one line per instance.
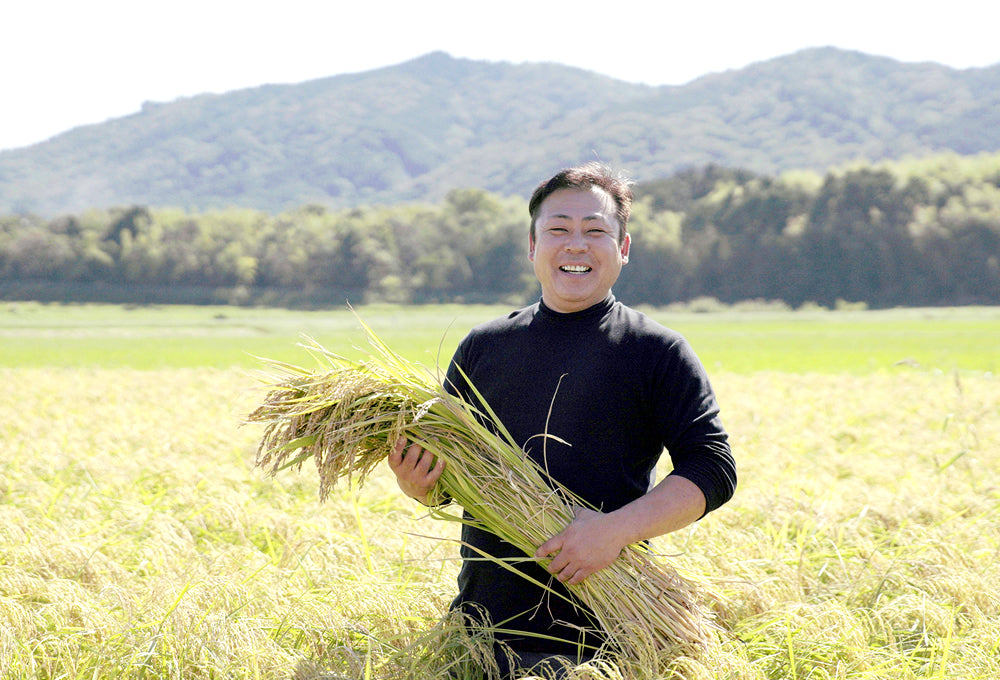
point(415, 470)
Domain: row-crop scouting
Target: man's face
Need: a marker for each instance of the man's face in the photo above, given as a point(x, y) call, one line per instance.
point(576, 252)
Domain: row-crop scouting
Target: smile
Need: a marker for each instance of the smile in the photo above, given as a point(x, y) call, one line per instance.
point(574, 268)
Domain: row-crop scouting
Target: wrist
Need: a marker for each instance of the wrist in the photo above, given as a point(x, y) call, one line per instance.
point(623, 525)
point(434, 498)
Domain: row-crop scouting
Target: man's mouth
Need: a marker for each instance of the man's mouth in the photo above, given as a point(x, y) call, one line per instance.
point(574, 268)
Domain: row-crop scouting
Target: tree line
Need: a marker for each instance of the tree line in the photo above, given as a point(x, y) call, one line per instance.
point(916, 232)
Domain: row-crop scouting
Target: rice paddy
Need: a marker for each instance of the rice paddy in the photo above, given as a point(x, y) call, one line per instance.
point(138, 540)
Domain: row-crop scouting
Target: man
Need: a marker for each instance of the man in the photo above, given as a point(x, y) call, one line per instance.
point(613, 385)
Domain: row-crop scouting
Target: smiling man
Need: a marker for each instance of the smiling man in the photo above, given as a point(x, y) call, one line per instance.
point(615, 388)
point(578, 247)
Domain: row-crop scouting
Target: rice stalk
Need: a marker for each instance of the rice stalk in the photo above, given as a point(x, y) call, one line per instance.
point(347, 415)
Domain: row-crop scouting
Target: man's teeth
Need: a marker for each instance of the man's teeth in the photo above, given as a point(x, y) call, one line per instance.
point(575, 268)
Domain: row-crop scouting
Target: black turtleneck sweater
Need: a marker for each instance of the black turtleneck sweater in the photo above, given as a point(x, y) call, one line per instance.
point(621, 389)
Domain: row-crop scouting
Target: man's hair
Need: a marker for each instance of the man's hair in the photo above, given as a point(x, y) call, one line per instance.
point(587, 176)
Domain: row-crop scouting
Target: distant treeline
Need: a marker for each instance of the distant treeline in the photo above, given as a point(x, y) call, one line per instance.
point(920, 232)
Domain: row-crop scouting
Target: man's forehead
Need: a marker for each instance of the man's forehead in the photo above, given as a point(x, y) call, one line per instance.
point(571, 203)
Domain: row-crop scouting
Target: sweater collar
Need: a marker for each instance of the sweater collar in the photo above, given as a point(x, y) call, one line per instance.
point(594, 311)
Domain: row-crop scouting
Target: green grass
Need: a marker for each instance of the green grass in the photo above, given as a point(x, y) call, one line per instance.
point(859, 342)
point(222, 337)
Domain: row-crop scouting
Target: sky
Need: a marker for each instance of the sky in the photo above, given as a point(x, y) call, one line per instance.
point(66, 63)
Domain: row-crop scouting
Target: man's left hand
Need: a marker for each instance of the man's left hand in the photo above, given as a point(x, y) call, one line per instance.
point(590, 543)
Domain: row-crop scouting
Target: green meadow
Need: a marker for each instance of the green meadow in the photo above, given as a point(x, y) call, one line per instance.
point(138, 540)
point(32, 334)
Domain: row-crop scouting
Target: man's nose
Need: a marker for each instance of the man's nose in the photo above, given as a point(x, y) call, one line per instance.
point(576, 241)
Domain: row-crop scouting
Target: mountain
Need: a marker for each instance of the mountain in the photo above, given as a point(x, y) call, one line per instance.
point(413, 131)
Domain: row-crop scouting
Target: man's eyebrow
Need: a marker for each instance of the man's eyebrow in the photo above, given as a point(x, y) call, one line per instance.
point(595, 216)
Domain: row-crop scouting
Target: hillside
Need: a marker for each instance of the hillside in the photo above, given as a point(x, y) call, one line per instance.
point(413, 131)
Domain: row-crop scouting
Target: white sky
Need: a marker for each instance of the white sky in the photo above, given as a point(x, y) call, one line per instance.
point(65, 63)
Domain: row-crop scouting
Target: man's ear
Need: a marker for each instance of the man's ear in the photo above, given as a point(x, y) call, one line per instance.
point(531, 248)
point(626, 245)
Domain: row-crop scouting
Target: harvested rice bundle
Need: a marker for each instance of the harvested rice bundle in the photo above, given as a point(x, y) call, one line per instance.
point(347, 418)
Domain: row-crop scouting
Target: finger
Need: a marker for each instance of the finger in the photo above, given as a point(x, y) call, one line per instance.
point(409, 458)
point(417, 452)
point(567, 573)
point(559, 564)
point(420, 461)
point(425, 459)
point(396, 455)
point(435, 472)
point(547, 549)
point(579, 577)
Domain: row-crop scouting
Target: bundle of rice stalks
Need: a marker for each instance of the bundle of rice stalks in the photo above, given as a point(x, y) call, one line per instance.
point(347, 415)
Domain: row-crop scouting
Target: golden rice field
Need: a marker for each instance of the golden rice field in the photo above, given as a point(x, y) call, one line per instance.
point(137, 540)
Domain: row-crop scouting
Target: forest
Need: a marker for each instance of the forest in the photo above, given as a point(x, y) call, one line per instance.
point(916, 232)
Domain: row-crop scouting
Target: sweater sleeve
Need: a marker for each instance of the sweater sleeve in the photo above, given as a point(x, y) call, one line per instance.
point(696, 441)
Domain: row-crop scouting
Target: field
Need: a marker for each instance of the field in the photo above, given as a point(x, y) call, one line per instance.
point(137, 540)
point(856, 342)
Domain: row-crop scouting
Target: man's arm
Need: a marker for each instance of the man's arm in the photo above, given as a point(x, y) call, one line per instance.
point(594, 540)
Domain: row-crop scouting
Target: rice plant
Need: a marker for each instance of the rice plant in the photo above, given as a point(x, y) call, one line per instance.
point(347, 415)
